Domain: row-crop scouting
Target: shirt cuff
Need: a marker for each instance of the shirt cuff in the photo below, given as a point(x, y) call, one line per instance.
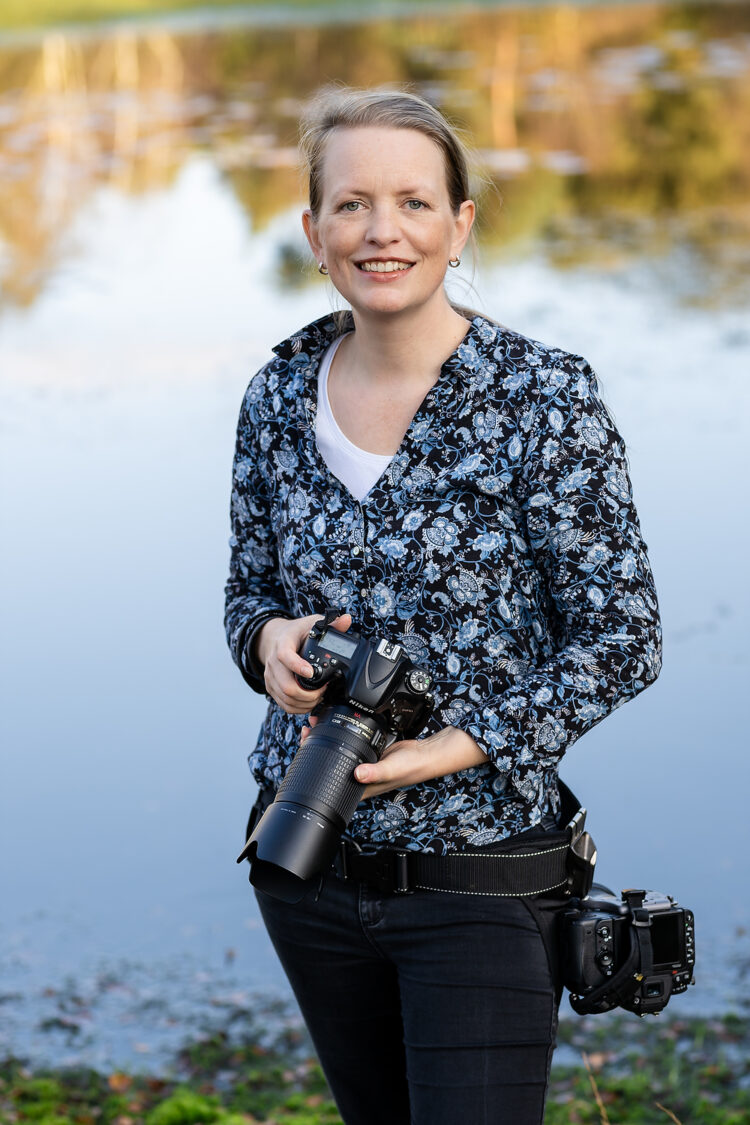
point(251, 668)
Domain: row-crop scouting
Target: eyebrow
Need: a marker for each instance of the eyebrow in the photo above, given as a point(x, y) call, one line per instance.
point(408, 189)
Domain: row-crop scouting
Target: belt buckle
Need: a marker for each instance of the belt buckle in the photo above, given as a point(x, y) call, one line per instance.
point(581, 862)
point(577, 823)
point(388, 870)
point(341, 861)
point(401, 873)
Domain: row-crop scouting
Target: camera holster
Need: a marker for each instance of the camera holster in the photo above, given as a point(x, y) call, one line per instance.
point(621, 989)
point(560, 862)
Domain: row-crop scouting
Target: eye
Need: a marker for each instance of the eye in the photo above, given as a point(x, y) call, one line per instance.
point(415, 205)
point(351, 205)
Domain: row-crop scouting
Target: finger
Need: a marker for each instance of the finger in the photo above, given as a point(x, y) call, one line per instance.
point(367, 775)
point(284, 677)
point(291, 707)
point(290, 697)
point(343, 622)
point(290, 659)
point(312, 720)
point(288, 654)
point(299, 706)
point(401, 766)
point(375, 773)
point(291, 641)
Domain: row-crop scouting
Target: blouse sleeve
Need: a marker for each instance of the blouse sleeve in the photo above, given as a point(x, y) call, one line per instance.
point(602, 608)
point(254, 591)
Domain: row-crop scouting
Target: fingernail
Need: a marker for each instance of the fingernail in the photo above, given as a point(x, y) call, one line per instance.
point(361, 773)
point(307, 670)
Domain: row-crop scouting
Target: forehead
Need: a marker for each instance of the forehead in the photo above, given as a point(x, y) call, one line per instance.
point(368, 154)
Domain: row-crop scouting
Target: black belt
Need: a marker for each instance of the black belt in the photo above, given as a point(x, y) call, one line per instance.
point(532, 863)
point(462, 873)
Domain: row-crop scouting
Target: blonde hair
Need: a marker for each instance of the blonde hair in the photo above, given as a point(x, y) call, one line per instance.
point(341, 107)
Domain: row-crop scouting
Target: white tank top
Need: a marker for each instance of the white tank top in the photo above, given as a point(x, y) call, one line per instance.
point(357, 468)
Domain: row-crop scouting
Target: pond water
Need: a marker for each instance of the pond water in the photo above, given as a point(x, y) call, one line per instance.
point(150, 256)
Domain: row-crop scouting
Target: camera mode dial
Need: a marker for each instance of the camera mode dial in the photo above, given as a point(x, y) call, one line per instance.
point(418, 680)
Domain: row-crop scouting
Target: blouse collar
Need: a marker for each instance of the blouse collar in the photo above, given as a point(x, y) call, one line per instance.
point(470, 357)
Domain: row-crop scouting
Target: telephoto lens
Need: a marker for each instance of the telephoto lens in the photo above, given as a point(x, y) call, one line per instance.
point(374, 696)
point(298, 835)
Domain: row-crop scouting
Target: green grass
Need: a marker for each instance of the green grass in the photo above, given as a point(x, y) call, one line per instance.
point(216, 1083)
point(653, 1071)
point(21, 14)
point(630, 1071)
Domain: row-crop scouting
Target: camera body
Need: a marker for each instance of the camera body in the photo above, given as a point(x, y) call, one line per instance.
point(375, 677)
point(375, 695)
point(633, 952)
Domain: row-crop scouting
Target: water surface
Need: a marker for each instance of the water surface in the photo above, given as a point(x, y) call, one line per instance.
point(151, 255)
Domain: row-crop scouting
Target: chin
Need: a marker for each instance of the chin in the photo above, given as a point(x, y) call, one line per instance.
point(384, 303)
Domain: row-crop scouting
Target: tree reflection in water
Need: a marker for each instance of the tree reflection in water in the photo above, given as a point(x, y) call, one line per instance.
point(148, 187)
point(605, 133)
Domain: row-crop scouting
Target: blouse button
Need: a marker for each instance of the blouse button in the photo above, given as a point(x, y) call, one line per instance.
point(363, 593)
point(355, 550)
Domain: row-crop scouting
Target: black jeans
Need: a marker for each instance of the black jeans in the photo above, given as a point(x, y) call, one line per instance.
point(428, 1008)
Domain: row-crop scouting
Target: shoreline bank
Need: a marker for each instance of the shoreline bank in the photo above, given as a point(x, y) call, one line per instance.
point(29, 19)
point(262, 1070)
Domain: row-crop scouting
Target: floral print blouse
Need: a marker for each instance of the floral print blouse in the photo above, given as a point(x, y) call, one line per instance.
point(500, 548)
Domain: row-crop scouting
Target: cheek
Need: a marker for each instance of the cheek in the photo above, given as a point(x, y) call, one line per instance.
point(339, 242)
point(437, 240)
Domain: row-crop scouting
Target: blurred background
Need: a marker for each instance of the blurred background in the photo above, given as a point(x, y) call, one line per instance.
point(150, 256)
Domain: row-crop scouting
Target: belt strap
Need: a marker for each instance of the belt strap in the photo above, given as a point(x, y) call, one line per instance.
point(501, 875)
point(530, 864)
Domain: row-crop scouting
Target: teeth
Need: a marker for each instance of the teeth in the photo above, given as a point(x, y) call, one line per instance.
point(383, 267)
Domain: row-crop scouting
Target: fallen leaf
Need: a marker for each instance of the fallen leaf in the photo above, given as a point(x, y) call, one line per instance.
point(119, 1082)
point(597, 1059)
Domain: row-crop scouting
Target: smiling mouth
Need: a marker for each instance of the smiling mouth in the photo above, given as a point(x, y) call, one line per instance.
point(383, 267)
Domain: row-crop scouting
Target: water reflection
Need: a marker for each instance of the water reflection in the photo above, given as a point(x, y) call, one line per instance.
point(148, 215)
point(605, 133)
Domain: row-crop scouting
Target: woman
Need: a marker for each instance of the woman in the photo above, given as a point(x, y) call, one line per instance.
point(459, 489)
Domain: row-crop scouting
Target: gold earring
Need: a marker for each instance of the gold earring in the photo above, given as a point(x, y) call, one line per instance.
point(454, 263)
point(323, 269)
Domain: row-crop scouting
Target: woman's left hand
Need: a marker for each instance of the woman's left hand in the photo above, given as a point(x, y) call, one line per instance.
point(413, 760)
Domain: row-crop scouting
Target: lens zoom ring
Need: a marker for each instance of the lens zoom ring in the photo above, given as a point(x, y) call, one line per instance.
point(322, 772)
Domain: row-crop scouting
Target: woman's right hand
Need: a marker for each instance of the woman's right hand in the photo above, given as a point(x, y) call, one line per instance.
point(277, 648)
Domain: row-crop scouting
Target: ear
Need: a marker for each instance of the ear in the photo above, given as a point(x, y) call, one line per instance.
point(464, 222)
point(310, 227)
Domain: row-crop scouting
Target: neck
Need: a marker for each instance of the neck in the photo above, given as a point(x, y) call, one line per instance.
point(398, 349)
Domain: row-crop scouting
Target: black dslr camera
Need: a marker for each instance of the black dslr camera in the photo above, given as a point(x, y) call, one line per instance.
point(375, 695)
point(632, 952)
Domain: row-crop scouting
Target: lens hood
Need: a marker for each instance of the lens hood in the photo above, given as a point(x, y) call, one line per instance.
point(290, 847)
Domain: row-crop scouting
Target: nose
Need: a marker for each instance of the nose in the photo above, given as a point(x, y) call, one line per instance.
point(383, 226)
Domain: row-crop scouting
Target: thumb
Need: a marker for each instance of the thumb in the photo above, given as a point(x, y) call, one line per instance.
point(343, 622)
point(371, 773)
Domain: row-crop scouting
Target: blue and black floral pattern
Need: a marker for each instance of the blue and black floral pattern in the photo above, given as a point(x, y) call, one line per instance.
point(500, 547)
